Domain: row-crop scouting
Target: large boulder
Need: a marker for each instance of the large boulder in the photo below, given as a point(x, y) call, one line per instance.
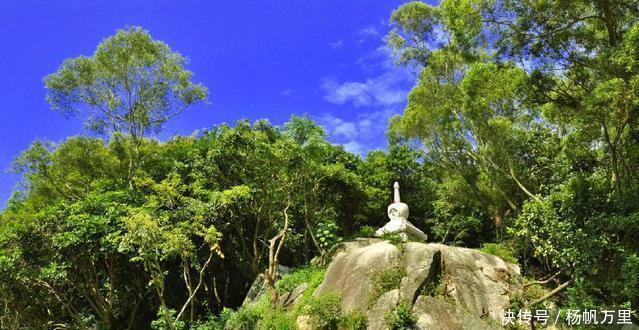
point(480, 282)
point(259, 288)
point(351, 271)
point(433, 313)
point(448, 287)
point(383, 306)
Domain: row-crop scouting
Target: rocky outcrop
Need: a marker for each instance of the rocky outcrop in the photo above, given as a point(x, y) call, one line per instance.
point(352, 269)
point(445, 287)
point(434, 313)
point(448, 287)
point(259, 288)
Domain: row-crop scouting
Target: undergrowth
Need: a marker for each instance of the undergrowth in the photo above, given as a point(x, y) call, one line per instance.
point(401, 318)
point(322, 312)
point(385, 280)
point(503, 251)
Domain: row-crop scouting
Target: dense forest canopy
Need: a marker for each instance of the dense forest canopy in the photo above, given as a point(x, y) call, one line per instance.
point(521, 132)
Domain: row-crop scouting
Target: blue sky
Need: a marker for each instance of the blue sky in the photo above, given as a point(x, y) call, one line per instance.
point(259, 59)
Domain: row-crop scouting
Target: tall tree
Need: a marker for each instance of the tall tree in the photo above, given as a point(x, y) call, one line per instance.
point(131, 84)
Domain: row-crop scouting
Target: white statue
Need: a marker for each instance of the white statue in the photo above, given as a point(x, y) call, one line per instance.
point(398, 214)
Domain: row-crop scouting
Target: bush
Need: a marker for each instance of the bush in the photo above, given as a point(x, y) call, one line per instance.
point(534, 292)
point(277, 318)
point(327, 235)
point(436, 286)
point(402, 317)
point(301, 275)
point(248, 316)
point(395, 239)
point(165, 318)
point(355, 320)
point(261, 314)
point(384, 281)
point(212, 323)
point(366, 231)
point(503, 251)
point(325, 311)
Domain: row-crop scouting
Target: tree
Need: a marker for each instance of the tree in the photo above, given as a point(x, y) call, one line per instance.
point(527, 111)
point(131, 84)
point(468, 111)
point(580, 62)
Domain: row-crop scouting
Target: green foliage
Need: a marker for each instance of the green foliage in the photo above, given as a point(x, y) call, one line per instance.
point(212, 323)
point(128, 63)
point(402, 317)
point(311, 275)
point(540, 155)
point(248, 316)
point(501, 250)
point(191, 205)
point(385, 280)
point(260, 315)
point(327, 235)
point(520, 136)
point(324, 311)
point(355, 320)
point(366, 232)
point(278, 319)
point(435, 286)
point(164, 320)
point(396, 239)
point(533, 292)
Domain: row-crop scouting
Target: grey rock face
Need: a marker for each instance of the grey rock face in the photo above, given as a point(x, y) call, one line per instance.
point(433, 313)
point(258, 288)
point(472, 286)
point(384, 305)
point(421, 262)
point(480, 282)
point(351, 271)
point(289, 299)
point(447, 287)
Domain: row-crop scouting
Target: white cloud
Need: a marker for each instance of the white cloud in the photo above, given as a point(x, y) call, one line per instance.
point(377, 97)
point(369, 31)
point(337, 44)
point(354, 147)
point(286, 92)
point(389, 88)
point(364, 132)
point(346, 129)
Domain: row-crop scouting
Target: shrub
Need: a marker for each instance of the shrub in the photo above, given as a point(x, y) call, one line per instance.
point(314, 279)
point(327, 235)
point(248, 316)
point(165, 318)
point(436, 286)
point(503, 251)
point(277, 318)
point(534, 292)
point(212, 323)
point(301, 275)
point(384, 281)
point(325, 311)
point(355, 320)
point(366, 231)
point(261, 314)
point(402, 317)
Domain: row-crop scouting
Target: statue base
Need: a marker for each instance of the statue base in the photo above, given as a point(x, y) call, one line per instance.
point(403, 228)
